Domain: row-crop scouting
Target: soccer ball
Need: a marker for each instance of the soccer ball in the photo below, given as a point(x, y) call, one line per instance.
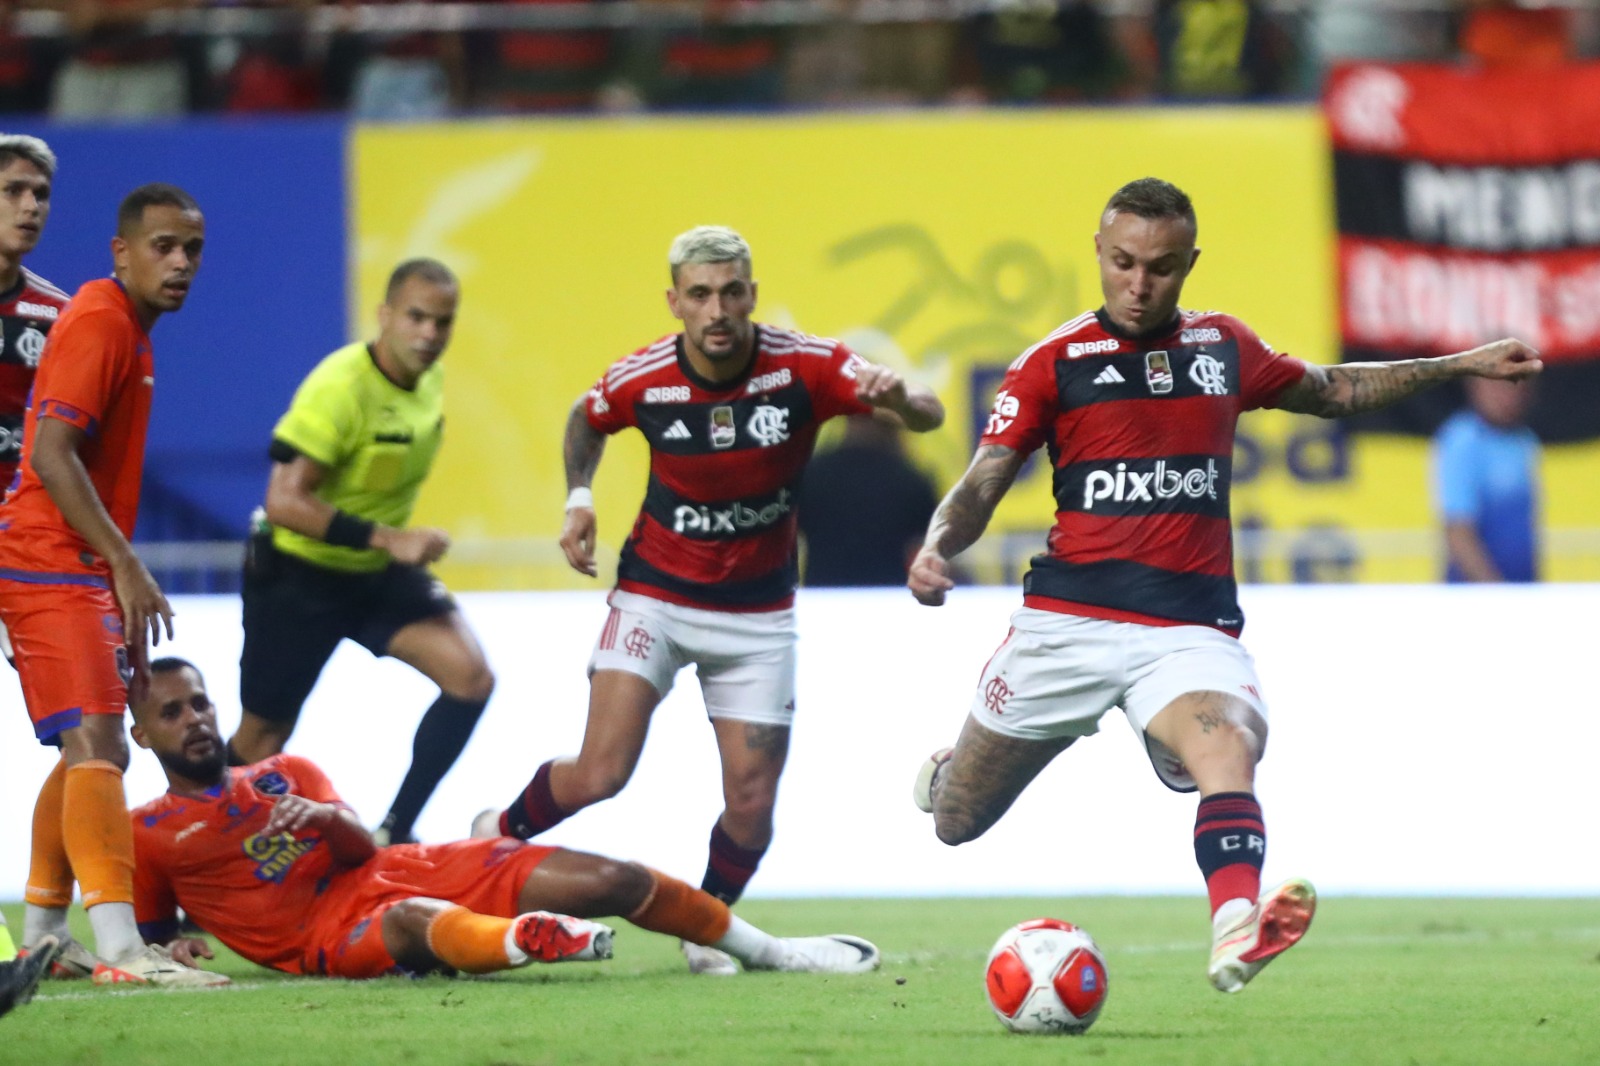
point(1046, 976)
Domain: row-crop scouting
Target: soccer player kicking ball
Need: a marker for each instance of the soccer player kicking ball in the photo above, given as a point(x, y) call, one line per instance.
point(1133, 604)
point(269, 860)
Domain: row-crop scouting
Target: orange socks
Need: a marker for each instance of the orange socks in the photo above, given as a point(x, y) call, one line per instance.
point(471, 942)
point(49, 872)
point(679, 909)
point(97, 833)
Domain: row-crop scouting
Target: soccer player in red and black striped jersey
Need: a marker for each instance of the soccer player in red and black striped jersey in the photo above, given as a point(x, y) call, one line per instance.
point(707, 577)
point(1133, 602)
point(29, 306)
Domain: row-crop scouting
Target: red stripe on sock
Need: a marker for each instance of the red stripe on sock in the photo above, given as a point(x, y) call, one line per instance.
point(1242, 823)
point(1238, 881)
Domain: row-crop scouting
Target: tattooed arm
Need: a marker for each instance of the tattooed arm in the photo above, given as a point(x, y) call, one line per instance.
point(581, 448)
point(1351, 388)
point(961, 519)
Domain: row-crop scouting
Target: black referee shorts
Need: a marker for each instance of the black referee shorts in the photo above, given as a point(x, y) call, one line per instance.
point(295, 614)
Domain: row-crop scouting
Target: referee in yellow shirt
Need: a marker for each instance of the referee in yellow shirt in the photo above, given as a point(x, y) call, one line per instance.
point(348, 459)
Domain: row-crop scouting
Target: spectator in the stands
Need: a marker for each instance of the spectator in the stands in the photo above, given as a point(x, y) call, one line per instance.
point(725, 63)
point(539, 69)
point(1055, 51)
point(114, 68)
point(399, 73)
point(1499, 33)
point(1219, 50)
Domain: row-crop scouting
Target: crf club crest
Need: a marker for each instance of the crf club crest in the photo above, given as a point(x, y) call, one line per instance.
point(638, 642)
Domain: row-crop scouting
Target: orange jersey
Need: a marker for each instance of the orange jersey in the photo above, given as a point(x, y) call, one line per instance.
point(255, 893)
point(97, 373)
point(280, 900)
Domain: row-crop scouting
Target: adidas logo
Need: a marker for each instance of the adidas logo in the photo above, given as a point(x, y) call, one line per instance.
point(1109, 376)
point(679, 431)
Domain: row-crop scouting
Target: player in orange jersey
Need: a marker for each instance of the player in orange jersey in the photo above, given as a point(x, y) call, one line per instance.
point(79, 605)
point(269, 860)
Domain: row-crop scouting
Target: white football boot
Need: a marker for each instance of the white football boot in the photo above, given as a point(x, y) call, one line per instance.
point(156, 966)
point(72, 961)
point(547, 937)
point(486, 824)
point(838, 953)
point(1275, 924)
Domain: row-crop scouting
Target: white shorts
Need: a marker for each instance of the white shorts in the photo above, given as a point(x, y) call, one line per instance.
point(1057, 674)
point(746, 662)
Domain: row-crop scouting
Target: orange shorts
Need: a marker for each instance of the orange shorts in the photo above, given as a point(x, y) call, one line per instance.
point(486, 876)
point(68, 645)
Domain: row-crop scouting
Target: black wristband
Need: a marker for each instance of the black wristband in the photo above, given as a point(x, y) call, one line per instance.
point(347, 531)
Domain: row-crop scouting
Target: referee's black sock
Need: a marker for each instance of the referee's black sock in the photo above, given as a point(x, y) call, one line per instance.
point(441, 735)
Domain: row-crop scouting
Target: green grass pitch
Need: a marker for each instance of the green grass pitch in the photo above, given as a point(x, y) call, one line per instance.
point(1428, 982)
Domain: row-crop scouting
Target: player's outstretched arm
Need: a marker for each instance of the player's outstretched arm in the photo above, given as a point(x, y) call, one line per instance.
point(581, 449)
point(293, 503)
point(1351, 388)
point(913, 404)
point(961, 519)
point(348, 840)
point(56, 459)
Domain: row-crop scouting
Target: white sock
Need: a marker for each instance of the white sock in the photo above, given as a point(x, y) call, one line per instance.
point(750, 945)
point(38, 922)
point(116, 933)
point(1230, 912)
point(515, 956)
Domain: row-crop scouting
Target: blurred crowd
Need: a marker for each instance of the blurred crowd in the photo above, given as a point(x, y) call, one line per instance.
point(88, 59)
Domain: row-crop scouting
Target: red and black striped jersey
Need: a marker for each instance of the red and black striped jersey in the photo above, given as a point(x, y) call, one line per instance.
point(717, 527)
point(27, 311)
point(1140, 432)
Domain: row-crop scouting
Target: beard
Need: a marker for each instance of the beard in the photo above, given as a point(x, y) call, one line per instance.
point(207, 768)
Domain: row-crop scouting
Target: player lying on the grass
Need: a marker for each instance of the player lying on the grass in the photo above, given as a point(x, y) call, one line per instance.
point(270, 861)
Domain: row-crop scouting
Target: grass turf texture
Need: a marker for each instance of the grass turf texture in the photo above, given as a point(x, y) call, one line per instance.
point(1409, 981)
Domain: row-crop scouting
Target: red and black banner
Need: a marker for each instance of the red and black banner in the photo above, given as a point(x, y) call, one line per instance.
point(1469, 209)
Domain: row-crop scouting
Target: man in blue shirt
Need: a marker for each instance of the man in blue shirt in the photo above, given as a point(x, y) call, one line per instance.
point(1486, 474)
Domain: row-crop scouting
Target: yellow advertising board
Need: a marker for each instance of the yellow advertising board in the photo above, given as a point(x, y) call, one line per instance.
point(939, 243)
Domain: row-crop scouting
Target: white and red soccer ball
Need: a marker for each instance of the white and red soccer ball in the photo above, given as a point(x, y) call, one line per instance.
point(1046, 976)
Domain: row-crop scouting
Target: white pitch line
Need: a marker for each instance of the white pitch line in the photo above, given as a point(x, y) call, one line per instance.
point(46, 995)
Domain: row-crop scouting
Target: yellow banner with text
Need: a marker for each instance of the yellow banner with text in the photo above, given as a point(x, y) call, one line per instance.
point(940, 244)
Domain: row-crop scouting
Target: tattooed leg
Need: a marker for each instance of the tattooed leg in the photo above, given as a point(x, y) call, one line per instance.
point(1219, 737)
point(985, 775)
point(753, 755)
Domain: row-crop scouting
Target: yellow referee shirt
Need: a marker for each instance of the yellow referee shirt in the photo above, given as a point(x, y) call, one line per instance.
point(377, 440)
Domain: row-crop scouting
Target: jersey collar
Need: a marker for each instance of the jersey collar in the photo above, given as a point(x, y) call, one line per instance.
point(1138, 338)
